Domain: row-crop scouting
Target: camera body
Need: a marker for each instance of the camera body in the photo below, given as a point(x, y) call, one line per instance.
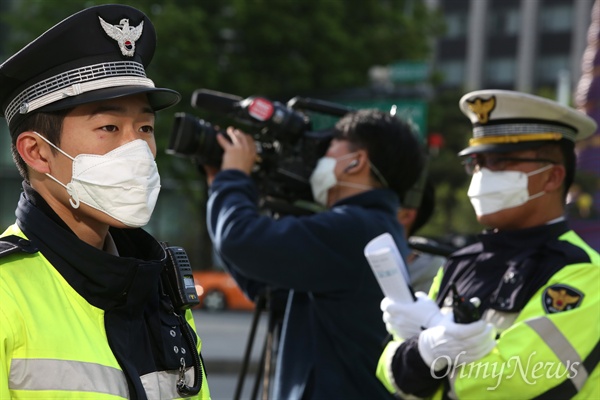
point(287, 147)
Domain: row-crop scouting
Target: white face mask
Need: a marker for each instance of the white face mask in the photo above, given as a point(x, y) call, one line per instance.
point(493, 191)
point(323, 178)
point(123, 183)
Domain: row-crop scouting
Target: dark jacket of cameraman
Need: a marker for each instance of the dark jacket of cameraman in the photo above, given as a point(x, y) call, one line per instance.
point(332, 333)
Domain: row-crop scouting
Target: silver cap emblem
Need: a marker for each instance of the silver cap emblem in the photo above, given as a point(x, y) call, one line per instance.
point(124, 34)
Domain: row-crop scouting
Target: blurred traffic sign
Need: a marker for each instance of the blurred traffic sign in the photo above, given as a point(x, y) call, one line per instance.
point(413, 111)
point(409, 72)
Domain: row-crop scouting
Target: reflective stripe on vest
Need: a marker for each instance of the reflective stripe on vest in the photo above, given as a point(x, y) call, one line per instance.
point(558, 343)
point(163, 384)
point(562, 348)
point(67, 375)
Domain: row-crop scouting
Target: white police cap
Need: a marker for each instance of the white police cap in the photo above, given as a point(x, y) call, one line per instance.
point(505, 121)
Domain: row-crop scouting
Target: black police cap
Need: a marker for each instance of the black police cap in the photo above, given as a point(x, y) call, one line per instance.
point(96, 54)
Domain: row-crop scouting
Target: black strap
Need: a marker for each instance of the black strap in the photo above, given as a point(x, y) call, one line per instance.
point(15, 244)
point(426, 245)
point(567, 390)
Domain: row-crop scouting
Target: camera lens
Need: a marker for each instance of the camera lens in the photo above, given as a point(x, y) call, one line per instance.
point(194, 137)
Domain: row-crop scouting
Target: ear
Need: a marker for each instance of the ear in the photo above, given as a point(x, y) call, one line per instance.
point(359, 164)
point(353, 163)
point(34, 151)
point(556, 179)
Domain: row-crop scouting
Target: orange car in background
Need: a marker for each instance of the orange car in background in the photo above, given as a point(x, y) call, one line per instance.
point(218, 291)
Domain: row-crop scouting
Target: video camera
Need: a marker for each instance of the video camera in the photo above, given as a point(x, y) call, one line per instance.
point(287, 146)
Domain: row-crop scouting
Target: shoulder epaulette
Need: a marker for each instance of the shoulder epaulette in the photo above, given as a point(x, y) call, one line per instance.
point(14, 244)
point(570, 251)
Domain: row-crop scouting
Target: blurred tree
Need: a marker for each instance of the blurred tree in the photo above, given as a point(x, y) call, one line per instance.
point(276, 48)
point(258, 47)
point(453, 214)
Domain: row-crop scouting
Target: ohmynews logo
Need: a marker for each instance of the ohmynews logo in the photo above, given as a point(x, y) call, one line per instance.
point(529, 372)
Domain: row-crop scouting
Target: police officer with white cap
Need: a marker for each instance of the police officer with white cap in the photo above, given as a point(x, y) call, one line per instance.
point(516, 314)
point(85, 310)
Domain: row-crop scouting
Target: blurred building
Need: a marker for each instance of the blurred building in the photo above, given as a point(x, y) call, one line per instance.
point(584, 199)
point(525, 45)
point(534, 46)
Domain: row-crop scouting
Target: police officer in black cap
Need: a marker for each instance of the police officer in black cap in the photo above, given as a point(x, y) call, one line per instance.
point(84, 311)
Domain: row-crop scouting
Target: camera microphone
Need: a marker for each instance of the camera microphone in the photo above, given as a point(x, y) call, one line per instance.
point(212, 100)
point(321, 106)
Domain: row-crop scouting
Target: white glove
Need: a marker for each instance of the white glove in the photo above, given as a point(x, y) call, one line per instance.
point(409, 319)
point(452, 343)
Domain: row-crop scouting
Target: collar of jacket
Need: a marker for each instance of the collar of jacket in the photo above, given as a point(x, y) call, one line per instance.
point(514, 240)
point(376, 198)
point(104, 280)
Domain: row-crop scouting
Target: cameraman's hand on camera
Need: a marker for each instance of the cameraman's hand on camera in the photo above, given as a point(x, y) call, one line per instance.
point(239, 153)
point(450, 343)
point(409, 319)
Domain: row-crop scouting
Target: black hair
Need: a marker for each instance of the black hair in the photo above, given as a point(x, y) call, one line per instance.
point(48, 124)
point(563, 153)
point(392, 146)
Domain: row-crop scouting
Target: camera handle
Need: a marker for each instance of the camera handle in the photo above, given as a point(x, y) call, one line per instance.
point(263, 300)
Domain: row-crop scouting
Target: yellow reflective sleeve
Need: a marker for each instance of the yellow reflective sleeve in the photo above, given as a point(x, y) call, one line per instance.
point(204, 391)
point(540, 350)
point(10, 336)
point(572, 237)
point(384, 366)
point(435, 284)
point(6, 342)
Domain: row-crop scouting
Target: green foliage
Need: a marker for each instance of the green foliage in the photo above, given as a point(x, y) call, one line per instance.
point(453, 211)
point(279, 49)
point(275, 48)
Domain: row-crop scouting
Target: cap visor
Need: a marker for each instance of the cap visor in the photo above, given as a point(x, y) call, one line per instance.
point(159, 98)
point(502, 148)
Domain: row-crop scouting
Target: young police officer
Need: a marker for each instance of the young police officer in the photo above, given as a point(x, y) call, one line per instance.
point(535, 280)
point(83, 310)
point(332, 332)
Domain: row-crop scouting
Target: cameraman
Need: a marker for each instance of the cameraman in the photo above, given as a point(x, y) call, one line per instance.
point(332, 332)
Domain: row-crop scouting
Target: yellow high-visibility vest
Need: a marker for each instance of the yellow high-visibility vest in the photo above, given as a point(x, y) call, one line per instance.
point(53, 343)
point(540, 350)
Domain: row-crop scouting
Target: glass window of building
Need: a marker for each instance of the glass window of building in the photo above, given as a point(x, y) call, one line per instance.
point(500, 71)
point(456, 25)
point(453, 72)
point(504, 22)
point(556, 18)
point(548, 68)
point(512, 20)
